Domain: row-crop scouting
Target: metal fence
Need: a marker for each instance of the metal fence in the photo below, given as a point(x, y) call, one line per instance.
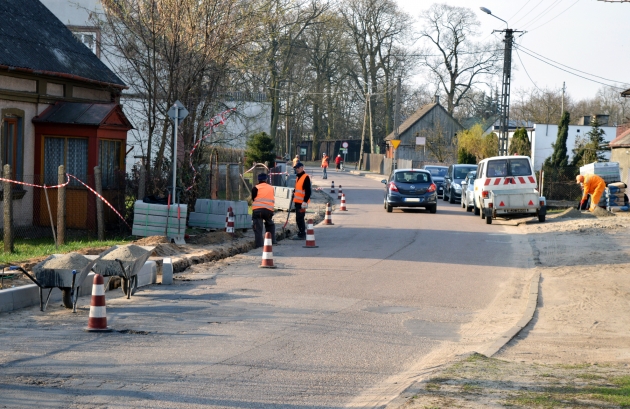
point(559, 184)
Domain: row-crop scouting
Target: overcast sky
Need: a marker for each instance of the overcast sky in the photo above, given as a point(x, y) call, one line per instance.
point(587, 35)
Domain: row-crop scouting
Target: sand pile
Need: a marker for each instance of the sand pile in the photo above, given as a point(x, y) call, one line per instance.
point(125, 253)
point(69, 261)
point(599, 212)
point(151, 241)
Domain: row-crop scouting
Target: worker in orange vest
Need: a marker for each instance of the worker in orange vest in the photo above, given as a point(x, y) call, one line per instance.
point(301, 199)
point(262, 210)
point(594, 186)
point(325, 160)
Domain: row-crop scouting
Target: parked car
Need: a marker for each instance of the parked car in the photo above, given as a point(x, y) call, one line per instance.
point(453, 179)
point(437, 174)
point(410, 188)
point(468, 191)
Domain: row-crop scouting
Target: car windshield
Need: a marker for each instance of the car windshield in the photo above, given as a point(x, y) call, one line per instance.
point(517, 167)
point(411, 177)
point(461, 172)
point(437, 171)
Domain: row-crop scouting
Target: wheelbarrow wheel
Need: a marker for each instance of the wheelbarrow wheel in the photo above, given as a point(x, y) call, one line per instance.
point(66, 296)
point(125, 285)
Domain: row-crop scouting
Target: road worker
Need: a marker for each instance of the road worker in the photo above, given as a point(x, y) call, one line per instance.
point(594, 186)
point(301, 199)
point(262, 210)
point(325, 160)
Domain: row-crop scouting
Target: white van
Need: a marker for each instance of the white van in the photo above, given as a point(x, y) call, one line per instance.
point(506, 187)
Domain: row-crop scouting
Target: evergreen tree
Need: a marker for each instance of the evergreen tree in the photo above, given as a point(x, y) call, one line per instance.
point(260, 149)
point(463, 156)
point(520, 145)
point(594, 147)
point(559, 157)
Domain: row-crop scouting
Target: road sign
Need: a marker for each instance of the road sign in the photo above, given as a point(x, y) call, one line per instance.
point(343, 150)
point(395, 143)
point(421, 140)
point(344, 145)
point(177, 111)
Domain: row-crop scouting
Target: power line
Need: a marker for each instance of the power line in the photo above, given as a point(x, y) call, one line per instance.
point(526, 14)
point(528, 76)
point(554, 4)
point(519, 10)
point(566, 66)
point(558, 15)
point(577, 75)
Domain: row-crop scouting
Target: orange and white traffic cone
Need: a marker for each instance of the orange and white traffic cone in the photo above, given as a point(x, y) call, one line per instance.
point(267, 255)
point(328, 217)
point(229, 227)
point(97, 321)
point(342, 207)
point(310, 235)
point(332, 187)
point(340, 193)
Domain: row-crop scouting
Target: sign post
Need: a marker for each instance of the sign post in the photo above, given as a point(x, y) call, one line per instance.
point(395, 143)
point(177, 113)
point(344, 146)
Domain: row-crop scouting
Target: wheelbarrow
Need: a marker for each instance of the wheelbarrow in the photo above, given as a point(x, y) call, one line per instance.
point(68, 281)
point(127, 270)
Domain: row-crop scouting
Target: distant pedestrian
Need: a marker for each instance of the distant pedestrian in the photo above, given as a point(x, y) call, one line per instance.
point(301, 198)
point(337, 163)
point(262, 210)
point(325, 161)
point(295, 161)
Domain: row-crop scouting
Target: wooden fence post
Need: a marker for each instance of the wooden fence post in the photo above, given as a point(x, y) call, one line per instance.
point(100, 222)
point(142, 182)
point(61, 206)
point(228, 185)
point(240, 185)
point(8, 211)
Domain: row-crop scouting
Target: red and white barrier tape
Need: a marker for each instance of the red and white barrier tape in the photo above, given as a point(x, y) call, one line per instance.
point(100, 197)
point(32, 185)
point(212, 123)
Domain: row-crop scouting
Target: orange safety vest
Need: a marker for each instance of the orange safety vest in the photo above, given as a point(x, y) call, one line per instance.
point(264, 197)
point(299, 192)
point(325, 162)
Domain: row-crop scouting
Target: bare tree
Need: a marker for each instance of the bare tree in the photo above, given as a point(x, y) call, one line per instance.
point(441, 146)
point(453, 59)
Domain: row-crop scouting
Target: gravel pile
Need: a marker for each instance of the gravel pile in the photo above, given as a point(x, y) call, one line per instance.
point(69, 261)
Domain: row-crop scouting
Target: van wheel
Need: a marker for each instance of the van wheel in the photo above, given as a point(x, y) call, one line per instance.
point(476, 209)
point(481, 214)
point(488, 220)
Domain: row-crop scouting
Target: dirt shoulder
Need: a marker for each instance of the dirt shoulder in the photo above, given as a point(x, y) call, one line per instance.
point(574, 352)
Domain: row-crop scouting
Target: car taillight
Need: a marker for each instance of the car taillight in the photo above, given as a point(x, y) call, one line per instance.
point(432, 188)
point(484, 193)
point(392, 187)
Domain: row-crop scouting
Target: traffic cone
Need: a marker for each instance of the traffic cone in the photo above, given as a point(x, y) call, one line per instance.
point(229, 227)
point(332, 187)
point(340, 193)
point(97, 321)
point(267, 255)
point(310, 235)
point(343, 204)
point(328, 217)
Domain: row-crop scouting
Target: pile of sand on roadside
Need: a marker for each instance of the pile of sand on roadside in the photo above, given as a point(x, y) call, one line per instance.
point(215, 237)
point(573, 213)
point(151, 241)
point(68, 261)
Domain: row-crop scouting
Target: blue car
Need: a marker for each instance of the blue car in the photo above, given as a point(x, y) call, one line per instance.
point(410, 188)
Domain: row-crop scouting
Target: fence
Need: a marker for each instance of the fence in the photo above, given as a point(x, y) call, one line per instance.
point(559, 184)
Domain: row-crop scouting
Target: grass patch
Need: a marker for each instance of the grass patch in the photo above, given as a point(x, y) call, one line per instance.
point(34, 248)
point(618, 394)
point(471, 388)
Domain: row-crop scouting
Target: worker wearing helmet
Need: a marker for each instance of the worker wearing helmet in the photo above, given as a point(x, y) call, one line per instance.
point(594, 186)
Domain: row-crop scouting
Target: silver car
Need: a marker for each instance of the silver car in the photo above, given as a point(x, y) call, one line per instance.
point(468, 191)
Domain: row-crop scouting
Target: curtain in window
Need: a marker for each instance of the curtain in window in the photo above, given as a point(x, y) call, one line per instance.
point(109, 161)
point(77, 159)
point(53, 158)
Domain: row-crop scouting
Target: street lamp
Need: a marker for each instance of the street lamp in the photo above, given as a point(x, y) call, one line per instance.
point(507, 74)
point(368, 111)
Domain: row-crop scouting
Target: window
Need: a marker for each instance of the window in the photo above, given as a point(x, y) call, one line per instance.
point(460, 173)
point(412, 177)
point(520, 167)
point(88, 37)
point(70, 152)
point(109, 159)
point(13, 145)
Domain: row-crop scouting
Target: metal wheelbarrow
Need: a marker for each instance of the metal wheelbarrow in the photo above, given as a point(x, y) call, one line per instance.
point(127, 270)
point(67, 280)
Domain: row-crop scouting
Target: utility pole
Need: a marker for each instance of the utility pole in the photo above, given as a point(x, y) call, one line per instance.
point(507, 75)
point(564, 88)
point(396, 120)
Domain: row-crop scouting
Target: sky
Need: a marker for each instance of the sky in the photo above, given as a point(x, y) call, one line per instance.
point(588, 35)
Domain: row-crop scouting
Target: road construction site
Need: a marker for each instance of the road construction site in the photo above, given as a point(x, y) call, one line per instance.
point(402, 309)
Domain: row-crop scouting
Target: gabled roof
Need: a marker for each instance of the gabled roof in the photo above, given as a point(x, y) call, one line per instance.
point(78, 113)
point(626, 93)
point(33, 40)
point(415, 117)
point(622, 141)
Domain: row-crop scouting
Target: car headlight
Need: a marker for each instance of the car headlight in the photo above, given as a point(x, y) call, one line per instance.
point(457, 187)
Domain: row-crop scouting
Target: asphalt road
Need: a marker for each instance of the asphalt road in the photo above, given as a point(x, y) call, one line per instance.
point(342, 325)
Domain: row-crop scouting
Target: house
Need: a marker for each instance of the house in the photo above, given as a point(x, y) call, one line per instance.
point(620, 152)
point(542, 137)
point(59, 105)
point(426, 120)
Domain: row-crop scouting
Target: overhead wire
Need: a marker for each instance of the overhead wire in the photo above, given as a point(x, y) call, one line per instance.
point(519, 10)
point(570, 72)
point(551, 6)
point(526, 14)
point(528, 76)
point(558, 15)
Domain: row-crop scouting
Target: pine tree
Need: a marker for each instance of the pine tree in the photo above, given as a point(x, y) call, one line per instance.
point(260, 149)
point(559, 157)
point(594, 148)
point(520, 145)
